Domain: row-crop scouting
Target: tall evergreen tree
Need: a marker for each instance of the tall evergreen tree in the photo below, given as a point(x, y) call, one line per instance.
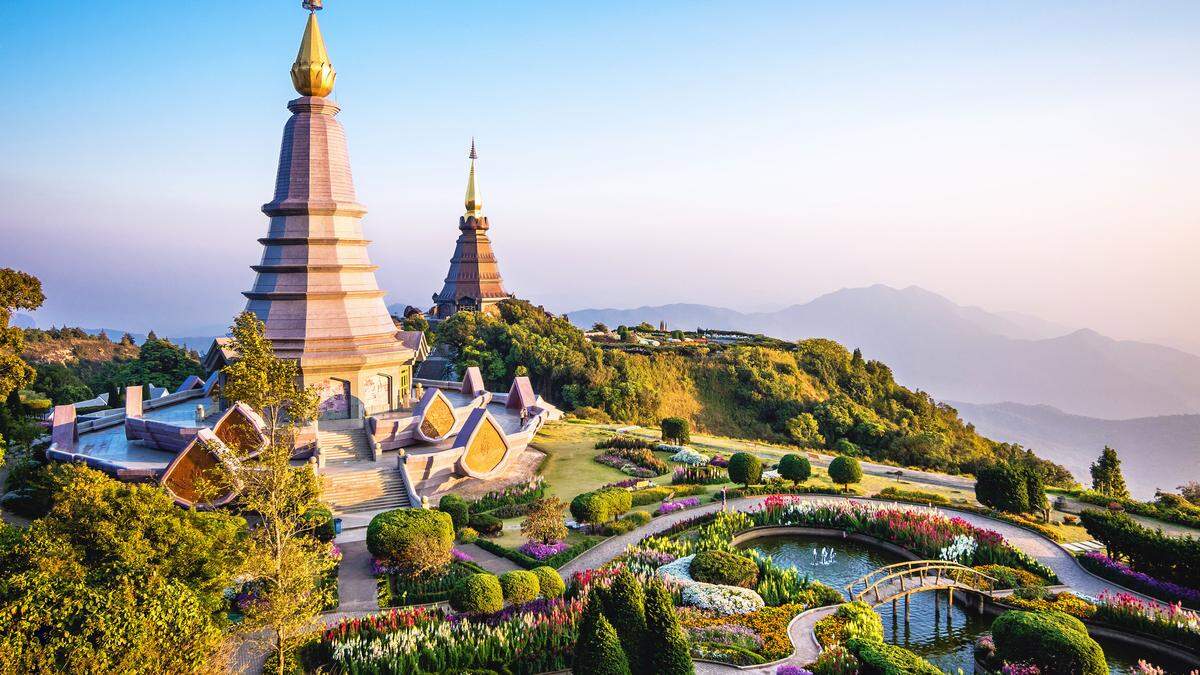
point(1106, 475)
point(665, 647)
point(624, 605)
point(598, 650)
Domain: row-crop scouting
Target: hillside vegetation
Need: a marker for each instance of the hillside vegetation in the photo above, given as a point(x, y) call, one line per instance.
point(812, 393)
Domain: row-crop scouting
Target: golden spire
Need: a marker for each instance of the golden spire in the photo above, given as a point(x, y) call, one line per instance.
point(474, 201)
point(312, 73)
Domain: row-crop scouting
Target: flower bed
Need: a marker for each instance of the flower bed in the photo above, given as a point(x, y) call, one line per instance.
point(1169, 622)
point(1038, 600)
point(1123, 574)
point(685, 455)
point(704, 474)
point(540, 551)
point(535, 638)
point(521, 493)
point(637, 463)
point(677, 505)
point(529, 562)
point(395, 590)
point(766, 627)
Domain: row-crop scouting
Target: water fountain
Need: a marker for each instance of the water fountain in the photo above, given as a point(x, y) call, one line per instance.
point(823, 557)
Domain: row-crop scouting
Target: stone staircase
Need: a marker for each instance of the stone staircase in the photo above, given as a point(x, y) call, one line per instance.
point(367, 487)
point(341, 447)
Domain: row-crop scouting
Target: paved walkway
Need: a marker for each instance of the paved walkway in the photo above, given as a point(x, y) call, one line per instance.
point(357, 589)
point(488, 560)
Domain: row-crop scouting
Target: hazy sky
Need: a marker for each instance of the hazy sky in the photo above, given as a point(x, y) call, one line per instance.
point(1030, 156)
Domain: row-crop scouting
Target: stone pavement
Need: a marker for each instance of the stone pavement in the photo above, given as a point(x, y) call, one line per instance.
point(357, 589)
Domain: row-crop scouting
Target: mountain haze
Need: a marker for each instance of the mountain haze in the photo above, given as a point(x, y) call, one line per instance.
point(1156, 452)
point(965, 353)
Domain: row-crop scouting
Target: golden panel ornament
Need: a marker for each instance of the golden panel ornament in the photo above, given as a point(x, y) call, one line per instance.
point(438, 419)
point(486, 450)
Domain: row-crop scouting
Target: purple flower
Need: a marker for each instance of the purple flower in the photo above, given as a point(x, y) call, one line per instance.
point(792, 670)
point(677, 505)
point(461, 556)
point(1020, 669)
point(540, 551)
point(1139, 580)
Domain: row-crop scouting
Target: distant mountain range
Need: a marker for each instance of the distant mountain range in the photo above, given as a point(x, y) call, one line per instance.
point(1156, 452)
point(964, 353)
point(200, 343)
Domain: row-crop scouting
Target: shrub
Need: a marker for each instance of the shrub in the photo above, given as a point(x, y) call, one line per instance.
point(688, 456)
point(665, 646)
point(845, 470)
point(1053, 641)
point(624, 604)
point(550, 582)
point(745, 468)
point(1002, 487)
point(320, 519)
point(519, 586)
point(885, 659)
point(487, 524)
point(601, 505)
point(1149, 551)
point(412, 541)
point(456, 508)
point(625, 443)
point(630, 522)
point(920, 496)
point(723, 567)
point(845, 446)
point(676, 430)
point(468, 535)
point(1011, 577)
point(598, 650)
point(795, 468)
point(478, 594)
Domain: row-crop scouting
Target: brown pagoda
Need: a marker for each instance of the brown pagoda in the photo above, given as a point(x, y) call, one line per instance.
point(473, 283)
point(315, 290)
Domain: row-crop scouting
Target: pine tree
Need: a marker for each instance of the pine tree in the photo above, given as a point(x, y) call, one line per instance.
point(598, 650)
point(624, 603)
point(665, 646)
point(1106, 475)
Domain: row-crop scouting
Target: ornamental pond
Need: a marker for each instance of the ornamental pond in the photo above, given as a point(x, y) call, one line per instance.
point(942, 634)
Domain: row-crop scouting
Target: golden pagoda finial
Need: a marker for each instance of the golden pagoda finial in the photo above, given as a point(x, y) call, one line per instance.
point(312, 73)
point(474, 201)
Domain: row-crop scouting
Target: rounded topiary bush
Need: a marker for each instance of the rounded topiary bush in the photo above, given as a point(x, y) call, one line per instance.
point(479, 593)
point(485, 523)
point(550, 582)
point(414, 541)
point(519, 586)
point(723, 567)
point(1053, 641)
point(745, 468)
point(320, 519)
point(845, 470)
point(457, 508)
point(795, 468)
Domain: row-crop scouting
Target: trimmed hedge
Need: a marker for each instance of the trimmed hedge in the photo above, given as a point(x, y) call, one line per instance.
point(916, 496)
point(795, 468)
point(723, 567)
point(413, 540)
point(881, 658)
point(600, 505)
point(486, 524)
point(456, 508)
point(478, 593)
point(396, 591)
point(1149, 551)
point(519, 586)
point(550, 582)
point(1053, 641)
point(745, 468)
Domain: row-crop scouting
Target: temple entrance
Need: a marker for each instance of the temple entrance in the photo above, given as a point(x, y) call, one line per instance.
point(377, 393)
point(334, 397)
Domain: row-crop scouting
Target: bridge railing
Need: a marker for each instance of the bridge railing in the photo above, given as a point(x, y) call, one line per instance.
point(914, 576)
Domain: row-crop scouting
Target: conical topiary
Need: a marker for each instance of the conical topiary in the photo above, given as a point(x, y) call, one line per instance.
point(624, 603)
point(665, 646)
point(598, 650)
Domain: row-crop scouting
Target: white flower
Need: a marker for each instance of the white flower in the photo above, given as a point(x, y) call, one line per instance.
point(684, 454)
point(724, 600)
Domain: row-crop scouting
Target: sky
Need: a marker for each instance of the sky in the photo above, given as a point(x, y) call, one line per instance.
point(1020, 156)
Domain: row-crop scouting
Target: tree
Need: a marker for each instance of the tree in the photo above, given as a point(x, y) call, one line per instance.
point(795, 468)
point(162, 363)
point(745, 468)
point(1191, 492)
point(60, 384)
point(286, 563)
point(598, 650)
point(1106, 475)
point(624, 605)
point(544, 522)
point(1003, 487)
point(415, 322)
point(845, 470)
point(1035, 487)
point(116, 578)
point(804, 431)
point(665, 645)
point(675, 430)
point(18, 290)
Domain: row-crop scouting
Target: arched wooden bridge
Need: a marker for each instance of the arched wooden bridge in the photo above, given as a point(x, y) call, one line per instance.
point(892, 582)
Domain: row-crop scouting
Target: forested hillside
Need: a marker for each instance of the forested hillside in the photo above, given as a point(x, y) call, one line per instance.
point(812, 393)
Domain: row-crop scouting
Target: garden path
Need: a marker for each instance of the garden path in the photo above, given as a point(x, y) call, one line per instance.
point(356, 585)
point(488, 560)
